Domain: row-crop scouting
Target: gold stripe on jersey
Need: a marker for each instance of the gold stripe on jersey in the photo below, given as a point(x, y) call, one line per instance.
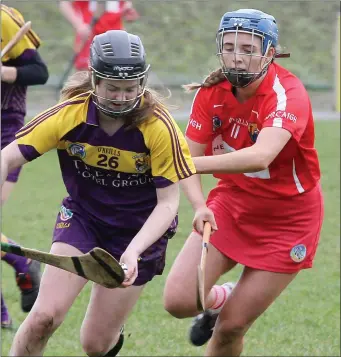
point(175, 133)
point(169, 151)
point(50, 112)
point(108, 157)
point(45, 131)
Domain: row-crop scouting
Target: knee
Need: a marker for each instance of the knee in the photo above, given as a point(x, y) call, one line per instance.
point(227, 332)
point(178, 305)
point(95, 345)
point(44, 323)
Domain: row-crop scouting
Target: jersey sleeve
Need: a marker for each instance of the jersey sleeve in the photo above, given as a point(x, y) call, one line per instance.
point(169, 153)
point(11, 22)
point(45, 131)
point(290, 110)
point(199, 127)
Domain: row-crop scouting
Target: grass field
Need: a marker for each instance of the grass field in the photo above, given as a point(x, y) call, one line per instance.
point(304, 321)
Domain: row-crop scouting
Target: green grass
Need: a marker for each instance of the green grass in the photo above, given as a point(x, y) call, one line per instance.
point(304, 321)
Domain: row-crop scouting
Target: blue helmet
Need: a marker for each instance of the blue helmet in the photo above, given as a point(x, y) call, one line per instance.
point(252, 20)
point(257, 23)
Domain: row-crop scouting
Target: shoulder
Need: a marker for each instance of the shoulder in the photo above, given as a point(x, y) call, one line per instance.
point(286, 80)
point(211, 95)
point(285, 87)
point(159, 126)
point(160, 120)
point(221, 88)
point(68, 112)
point(78, 102)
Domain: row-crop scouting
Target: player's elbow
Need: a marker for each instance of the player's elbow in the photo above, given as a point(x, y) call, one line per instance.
point(262, 163)
point(263, 159)
point(168, 198)
point(171, 207)
point(44, 74)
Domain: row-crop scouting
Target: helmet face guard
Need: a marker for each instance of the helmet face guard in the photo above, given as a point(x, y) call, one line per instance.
point(258, 25)
point(107, 105)
point(236, 76)
point(118, 58)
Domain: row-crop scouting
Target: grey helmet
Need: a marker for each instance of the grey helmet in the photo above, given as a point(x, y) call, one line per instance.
point(118, 55)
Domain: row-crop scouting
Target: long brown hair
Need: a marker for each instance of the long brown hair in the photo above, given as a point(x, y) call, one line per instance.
point(80, 82)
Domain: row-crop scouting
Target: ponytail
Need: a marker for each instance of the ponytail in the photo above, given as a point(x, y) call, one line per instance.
point(213, 78)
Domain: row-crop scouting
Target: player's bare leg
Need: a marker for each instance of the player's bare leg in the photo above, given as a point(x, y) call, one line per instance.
point(254, 293)
point(107, 311)
point(180, 289)
point(58, 290)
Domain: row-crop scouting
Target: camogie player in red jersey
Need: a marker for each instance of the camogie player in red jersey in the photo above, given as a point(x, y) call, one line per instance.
point(82, 15)
point(253, 120)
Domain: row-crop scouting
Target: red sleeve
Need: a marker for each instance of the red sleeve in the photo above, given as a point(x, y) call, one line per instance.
point(200, 127)
point(290, 110)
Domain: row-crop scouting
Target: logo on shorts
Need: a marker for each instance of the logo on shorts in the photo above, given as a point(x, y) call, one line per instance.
point(77, 150)
point(298, 253)
point(65, 213)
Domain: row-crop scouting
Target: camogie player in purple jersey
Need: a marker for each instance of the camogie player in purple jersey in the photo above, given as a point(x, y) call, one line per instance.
point(122, 156)
point(21, 67)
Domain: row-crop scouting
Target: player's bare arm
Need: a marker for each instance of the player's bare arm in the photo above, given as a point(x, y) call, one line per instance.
point(74, 18)
point(11, 158)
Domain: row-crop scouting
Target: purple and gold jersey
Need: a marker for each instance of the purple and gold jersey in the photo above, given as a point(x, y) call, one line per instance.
point(113, 178)
point(13, 96)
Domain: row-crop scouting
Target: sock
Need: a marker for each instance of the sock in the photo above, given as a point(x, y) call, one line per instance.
point(220, 295)
point(4, 311)
point(114, 351)
point(20, 264)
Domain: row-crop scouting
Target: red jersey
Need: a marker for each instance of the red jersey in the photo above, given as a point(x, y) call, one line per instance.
point(225, 125)
point(111, 19)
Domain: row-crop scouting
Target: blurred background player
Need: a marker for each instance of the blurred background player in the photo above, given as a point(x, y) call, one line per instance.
point(253, 120)
point(22, 66)
point(90, 18)
point(122, 156)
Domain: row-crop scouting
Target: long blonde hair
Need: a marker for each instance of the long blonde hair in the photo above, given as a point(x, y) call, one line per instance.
point(80, 82)
point(213, 78)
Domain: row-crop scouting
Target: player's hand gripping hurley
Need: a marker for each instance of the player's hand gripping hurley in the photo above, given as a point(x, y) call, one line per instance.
point(97, 265)
point(201, 268)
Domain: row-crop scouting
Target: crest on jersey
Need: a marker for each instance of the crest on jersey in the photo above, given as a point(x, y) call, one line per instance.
point(298, 253)
point(65, 213)
point(253, 131)
point(216, 123)
point(76, 150)
point(142, 162)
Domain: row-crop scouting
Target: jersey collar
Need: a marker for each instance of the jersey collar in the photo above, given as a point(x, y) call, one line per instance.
point(92, 114)
point(267, 82)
